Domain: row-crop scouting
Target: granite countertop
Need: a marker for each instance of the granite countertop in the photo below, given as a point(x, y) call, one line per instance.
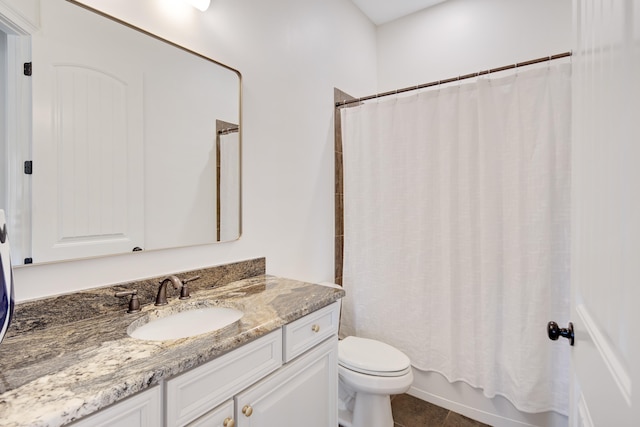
point(53, 375)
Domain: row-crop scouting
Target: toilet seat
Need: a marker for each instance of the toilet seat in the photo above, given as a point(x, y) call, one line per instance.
point(371, 357)
point(378, 373)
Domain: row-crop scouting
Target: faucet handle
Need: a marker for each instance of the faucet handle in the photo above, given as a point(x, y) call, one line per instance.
point(184, 292)
point(134, 302)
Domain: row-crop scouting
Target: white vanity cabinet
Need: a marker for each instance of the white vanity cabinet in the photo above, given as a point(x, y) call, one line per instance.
point(302, 392)
point(287, 378)
point(141, 410)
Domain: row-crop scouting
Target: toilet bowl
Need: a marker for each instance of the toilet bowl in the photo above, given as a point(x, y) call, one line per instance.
point(369, 373)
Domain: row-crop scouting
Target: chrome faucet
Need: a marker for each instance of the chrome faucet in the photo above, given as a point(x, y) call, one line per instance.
point(161, 299)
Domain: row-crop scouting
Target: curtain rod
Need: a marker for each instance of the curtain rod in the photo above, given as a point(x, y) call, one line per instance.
point(228, 130)
point(454, 79)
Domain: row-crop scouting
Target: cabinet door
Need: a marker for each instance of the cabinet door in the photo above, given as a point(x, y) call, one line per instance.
point(301, 393)
point(140, 410)
point(222, 416)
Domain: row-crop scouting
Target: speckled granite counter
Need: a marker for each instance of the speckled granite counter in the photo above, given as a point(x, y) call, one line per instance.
point(53, 375)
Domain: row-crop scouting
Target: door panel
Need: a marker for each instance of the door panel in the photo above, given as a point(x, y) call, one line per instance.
point(87, 146)
point(301, 393)
point(606, 213)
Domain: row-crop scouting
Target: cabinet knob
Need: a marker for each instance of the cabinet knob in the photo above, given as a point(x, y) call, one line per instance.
point(247, 410)
point(228, 422)
point(315, 328)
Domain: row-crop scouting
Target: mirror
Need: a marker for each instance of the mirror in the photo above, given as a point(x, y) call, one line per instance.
point(136, 140)
point(227, 180)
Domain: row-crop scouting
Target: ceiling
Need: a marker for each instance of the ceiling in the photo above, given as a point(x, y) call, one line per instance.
point(383, 11)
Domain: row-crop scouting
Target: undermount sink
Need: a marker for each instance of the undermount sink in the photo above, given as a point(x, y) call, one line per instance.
point(187, 323)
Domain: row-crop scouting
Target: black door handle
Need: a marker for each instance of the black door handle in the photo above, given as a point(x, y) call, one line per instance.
point(554, 332)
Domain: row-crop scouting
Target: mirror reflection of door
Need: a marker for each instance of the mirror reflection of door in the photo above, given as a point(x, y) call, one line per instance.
point(15, 135)
point(88, 180)
point(123, 151)
point(228, 180)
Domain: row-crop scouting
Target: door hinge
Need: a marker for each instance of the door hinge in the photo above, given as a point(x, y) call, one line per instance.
point(28, 167)
point(28, 68)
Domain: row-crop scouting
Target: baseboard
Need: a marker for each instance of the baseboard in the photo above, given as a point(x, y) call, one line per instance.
point(465, 400)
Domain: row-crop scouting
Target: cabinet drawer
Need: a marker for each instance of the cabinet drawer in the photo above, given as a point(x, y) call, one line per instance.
point(141, 410)
point(304, 333)
point(216, 417)
point(194, 393)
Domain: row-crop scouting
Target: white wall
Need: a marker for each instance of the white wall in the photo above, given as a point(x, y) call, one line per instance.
point(292, 54)
point(450, 39)
point(465, 36)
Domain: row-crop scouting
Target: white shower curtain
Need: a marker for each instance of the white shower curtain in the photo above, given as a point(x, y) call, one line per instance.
point(456, 247)
point(229, 186)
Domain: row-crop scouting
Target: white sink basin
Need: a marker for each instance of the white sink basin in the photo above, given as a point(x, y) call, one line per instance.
point(186, 324)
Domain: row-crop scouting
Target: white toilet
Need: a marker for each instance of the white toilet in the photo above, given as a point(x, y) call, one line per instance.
point(370, 372)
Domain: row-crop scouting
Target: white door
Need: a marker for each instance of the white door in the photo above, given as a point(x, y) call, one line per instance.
point(87, 141)
point(606, 214)
point(17, 132)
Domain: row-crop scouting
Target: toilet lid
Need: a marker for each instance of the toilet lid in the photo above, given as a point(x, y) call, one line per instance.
point(372, 357)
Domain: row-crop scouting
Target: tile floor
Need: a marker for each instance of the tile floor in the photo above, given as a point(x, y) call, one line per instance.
point(409, 411)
